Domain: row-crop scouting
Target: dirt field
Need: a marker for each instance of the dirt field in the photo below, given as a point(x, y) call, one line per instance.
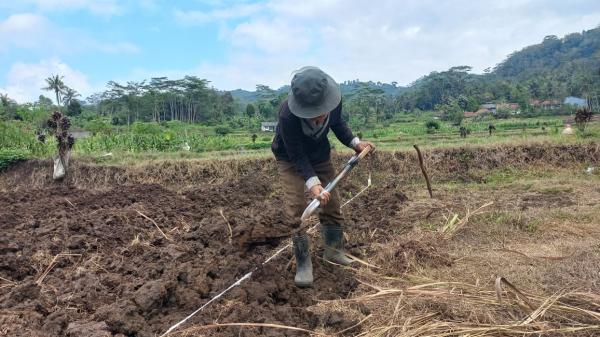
point(130, 251)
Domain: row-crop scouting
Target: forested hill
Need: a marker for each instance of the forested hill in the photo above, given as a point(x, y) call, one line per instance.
point(348, 89)
point(569, 57)
point(552, 69)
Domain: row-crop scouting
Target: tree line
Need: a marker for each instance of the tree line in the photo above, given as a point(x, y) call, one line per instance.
point(189, 100)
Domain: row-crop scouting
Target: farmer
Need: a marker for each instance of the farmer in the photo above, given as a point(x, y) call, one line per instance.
point(302, 150)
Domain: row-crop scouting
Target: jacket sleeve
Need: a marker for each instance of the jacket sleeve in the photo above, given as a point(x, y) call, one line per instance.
point(340, 128)
point(292, 139)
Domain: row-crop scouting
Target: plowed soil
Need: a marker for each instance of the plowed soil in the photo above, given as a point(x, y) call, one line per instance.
point(87, 263)
point(124, 251)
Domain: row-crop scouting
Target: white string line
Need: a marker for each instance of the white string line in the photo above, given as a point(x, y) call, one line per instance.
point(247, 276)
point(359, 193)
point(237, 283)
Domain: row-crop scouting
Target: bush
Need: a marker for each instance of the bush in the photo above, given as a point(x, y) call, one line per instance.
point(222, 130)
point(99, 125)
point(141, 128)
point(9, 157)
point(432, 125)
point(74, 108)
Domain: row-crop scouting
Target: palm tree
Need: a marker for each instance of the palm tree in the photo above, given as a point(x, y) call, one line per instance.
point(4, 100)
point(7, 106)
point(69, 94)
point(55, 83)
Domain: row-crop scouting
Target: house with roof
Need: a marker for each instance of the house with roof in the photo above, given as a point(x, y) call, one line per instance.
point(481, 111)
point(549, 104)
point(490, 107)
point(268, 126)
point(508, 106)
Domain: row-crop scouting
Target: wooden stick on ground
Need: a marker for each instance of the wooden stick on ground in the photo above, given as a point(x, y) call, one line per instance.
point(228, 226)
point(51, 265)
point(424, 170)
point(155, 224)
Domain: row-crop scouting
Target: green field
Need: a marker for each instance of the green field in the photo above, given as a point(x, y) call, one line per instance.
point(171, 139)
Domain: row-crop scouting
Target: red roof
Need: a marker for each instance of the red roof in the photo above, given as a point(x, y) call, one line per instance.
point(550, 102)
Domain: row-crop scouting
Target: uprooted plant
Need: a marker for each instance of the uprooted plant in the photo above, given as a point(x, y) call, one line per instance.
point(582, 118)
point(59, 125)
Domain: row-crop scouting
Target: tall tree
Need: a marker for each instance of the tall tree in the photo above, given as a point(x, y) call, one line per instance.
point(56, 84)
point(250, 110)
point(5, 103)
point(69, 94)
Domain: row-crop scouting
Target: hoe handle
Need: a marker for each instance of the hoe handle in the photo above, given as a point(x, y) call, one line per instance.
point(351, 163)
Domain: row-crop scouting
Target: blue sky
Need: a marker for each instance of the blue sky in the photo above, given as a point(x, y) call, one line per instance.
point(238, 44)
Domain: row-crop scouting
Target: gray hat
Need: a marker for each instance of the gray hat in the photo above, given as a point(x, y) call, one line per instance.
point(313, 93)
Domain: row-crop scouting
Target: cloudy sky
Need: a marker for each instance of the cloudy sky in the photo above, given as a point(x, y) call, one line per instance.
point(238, 44)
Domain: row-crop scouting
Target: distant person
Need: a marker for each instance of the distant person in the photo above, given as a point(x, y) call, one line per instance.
point(254, 138)
point(302, 150)
point(491, 128)
point(463, 132)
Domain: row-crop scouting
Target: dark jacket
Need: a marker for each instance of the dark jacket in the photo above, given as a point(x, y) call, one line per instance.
point(291, 145)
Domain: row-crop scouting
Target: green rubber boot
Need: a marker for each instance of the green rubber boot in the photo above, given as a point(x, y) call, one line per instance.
point(333, 237)
point(304, 269)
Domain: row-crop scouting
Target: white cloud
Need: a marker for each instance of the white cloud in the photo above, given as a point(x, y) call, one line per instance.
point(23, 30)
point(387, 41)
point(24, 81)
point(35, 32)
point(273, 37)
point(100, 7)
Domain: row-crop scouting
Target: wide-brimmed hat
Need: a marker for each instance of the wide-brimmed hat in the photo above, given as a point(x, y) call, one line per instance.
point(313, 93)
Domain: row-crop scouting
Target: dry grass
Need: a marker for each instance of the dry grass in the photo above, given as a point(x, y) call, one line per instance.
point(229, 230)
point(506, 279)
point(455, 309)
point(155, 225)
point(468, 163)
point(51, 265)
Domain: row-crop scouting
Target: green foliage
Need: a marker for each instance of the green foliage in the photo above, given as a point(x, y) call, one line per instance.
point(189, 99)
point(74, 108)
point(99, 125)
point(139, 128)
point(250, 110)
point(451, 111)
point(432, 125)
point(222, 130)
point(9, 157)
point(55, 83)
point(22, 136)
